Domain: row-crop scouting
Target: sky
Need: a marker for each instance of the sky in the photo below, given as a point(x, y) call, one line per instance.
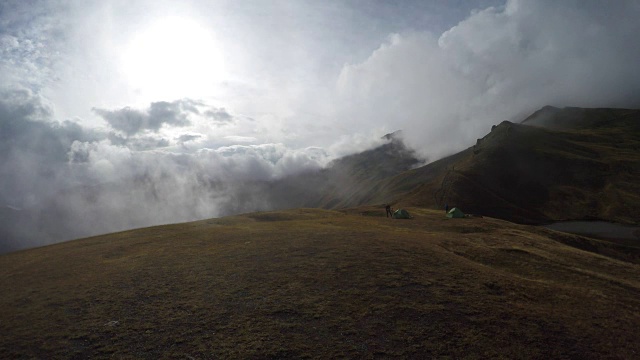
point(118, 114)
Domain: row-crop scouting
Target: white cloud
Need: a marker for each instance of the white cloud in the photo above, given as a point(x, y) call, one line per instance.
point(499, 63)
point(241, 139)
point(269, 161)
point(69, 181)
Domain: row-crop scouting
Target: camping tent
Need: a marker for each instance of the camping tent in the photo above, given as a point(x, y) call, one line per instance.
point(401, 214)
point(455, 213)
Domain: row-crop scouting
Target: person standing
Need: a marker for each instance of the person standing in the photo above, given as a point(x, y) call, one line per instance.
point(389, 211)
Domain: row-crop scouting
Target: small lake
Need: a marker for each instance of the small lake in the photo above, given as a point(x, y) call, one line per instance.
point(598, 229)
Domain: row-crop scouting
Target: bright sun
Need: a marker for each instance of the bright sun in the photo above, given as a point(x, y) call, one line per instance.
point(173, 58)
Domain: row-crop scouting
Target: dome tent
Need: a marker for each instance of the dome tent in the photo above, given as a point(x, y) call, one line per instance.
point(401, 214)
point(455, 213)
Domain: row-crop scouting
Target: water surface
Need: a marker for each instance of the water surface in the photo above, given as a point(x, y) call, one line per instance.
point(598, 229)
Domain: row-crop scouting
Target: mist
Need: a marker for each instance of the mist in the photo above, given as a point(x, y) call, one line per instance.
point(83, 151)
point(63, 181)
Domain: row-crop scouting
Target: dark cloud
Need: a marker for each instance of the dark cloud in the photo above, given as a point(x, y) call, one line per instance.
point(132, 121)
point(27, 136)
point(218, 115)
point(21, 104)
point(33, 158)
point(127, 120)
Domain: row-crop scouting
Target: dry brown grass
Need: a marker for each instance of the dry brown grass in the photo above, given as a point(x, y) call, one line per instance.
point(320, 284)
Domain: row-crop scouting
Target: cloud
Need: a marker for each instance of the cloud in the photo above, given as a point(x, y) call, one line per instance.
point(29, 54)
point(32, 146)
point(139, 142)
point(187, 137)
point(33, 157)
point(131, 121)
point(241, 139)
point(22, 103)
point(270, 161)
point(61, 180)
point(218, 115)
point(499, 63)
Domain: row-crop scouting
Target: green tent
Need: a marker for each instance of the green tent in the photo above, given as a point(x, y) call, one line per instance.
point(401, 214)
point(455, 213)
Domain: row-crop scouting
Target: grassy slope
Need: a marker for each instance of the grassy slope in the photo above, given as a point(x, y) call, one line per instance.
point(586, 167)
point(319, 284)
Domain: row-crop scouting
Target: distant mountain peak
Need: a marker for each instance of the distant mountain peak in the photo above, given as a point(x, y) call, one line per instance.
point(396, 135)
point(541, 115)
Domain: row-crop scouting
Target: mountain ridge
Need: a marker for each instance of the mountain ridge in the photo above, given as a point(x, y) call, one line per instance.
point(566, 169)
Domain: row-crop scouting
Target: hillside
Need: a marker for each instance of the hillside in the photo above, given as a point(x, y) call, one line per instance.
point(558, 164)
point(346, 182)
point(323, 284)
point(573, 164)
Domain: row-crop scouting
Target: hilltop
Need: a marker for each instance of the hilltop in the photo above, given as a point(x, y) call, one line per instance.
point(312, 283)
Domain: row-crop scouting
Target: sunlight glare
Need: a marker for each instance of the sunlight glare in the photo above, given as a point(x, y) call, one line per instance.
point(173, 58)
